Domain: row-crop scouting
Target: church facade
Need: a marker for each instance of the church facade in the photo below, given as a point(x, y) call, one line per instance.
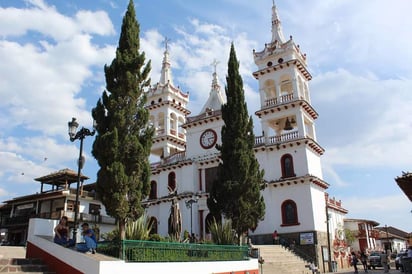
point(287, 150)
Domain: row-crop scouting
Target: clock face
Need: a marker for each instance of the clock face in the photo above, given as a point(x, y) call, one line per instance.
point(208, 138)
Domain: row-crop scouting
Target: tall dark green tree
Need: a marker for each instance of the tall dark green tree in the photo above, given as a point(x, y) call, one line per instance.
point(124, 137)
point(236, 193)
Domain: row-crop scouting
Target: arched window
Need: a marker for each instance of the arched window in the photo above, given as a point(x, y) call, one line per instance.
point(286, 87)
point(286, 163)
point(181, 130)
point(160, 123)
point(153, 190)
point(173, 123)
point(153, 224)
point(270, 89)
point(289, 213)
point(171, 182)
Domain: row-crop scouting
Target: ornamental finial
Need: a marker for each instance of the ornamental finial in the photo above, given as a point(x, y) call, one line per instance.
point(166, 41)
point(214, 64)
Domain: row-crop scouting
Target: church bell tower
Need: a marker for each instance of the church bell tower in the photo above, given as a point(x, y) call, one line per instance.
point(286, 114)
point(168, 110)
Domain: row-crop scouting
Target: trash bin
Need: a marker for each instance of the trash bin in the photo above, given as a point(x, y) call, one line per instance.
point(334, 266)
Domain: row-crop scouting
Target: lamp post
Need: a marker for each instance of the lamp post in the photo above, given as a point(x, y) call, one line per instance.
point(78, 135)
point(189, 204)
point(389, 245)
point(328, 235)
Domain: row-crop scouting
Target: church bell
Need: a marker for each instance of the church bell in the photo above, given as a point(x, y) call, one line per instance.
point(288, 125)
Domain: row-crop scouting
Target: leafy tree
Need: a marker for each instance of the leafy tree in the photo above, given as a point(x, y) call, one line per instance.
point(124, 137)
point(236, 193)
point(350, 236)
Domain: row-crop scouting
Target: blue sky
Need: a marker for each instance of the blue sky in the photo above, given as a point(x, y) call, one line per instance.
point(53, 52)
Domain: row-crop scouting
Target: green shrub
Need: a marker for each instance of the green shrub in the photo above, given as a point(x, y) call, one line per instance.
point(156, 238)
point(222, 234)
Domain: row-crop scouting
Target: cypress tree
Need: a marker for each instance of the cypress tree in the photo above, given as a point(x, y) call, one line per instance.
point(236, 193)
point(124, 137)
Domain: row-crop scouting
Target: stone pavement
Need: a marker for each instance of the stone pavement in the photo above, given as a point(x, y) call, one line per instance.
point(12, 252)
point(372, 271)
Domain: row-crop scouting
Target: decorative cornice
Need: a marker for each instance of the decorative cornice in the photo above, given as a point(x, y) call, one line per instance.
point(169, 198)
point(204, 118)
point(171, 139)
point(284, 182)
point(290, 104)
point(177, 106)
point(294, 62)
point(312, 144)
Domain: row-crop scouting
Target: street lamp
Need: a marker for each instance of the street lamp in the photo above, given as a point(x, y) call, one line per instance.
point(79, 135)
point(189, 204)
point(389, 245)
point(328, 235)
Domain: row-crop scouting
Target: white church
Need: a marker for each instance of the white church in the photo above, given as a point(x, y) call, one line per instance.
point(297, 204)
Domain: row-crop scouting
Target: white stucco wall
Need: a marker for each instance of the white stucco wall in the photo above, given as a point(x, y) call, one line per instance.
point(310, 206)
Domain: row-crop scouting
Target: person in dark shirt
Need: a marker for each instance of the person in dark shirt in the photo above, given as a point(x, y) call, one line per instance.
point(364, 260)
point(354, 261)
point(61, 233)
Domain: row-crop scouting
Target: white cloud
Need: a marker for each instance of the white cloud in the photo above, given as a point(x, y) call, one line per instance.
point(366, 117)
point(385, 209)
point(95, 22)
point(47, 21)
point(334, 177)
point(58, 68)
point(48, 62)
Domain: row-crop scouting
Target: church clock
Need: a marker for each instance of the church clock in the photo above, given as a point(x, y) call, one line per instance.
point(208, 138)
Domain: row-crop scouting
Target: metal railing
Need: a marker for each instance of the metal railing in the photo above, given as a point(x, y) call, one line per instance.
point(150, 251)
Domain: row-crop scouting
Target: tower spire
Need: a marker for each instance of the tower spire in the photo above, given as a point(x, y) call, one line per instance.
point(215, 81)
point(215, 100)
point(166, 74)
point(277, 33)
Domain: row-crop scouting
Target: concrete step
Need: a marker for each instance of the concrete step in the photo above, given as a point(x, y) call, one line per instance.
point(22, 265)
point(278, 260)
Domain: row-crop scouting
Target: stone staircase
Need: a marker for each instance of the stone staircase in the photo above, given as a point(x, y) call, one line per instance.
point(21, 265)
point(279, 260)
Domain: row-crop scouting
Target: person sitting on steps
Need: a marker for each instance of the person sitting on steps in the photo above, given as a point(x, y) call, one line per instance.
point(90, 243)
point(61, 233)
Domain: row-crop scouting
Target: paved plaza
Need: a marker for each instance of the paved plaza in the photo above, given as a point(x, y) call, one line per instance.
point(378, 270)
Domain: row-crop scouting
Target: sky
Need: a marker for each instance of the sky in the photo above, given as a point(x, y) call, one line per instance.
point(52, 55)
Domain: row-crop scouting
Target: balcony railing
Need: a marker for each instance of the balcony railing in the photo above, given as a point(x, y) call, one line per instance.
point(160, 132)
point(261, 140)
point(279, 100)
point(180, 156)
